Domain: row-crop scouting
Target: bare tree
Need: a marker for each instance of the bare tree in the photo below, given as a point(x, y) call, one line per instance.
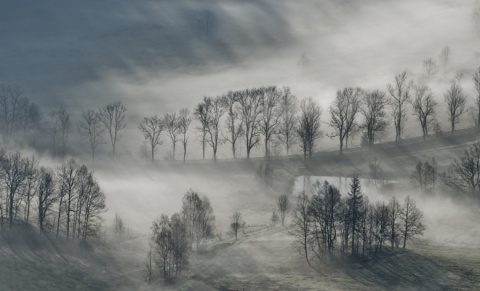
point(54, 130)
point(325, 212)
point(300, 224)
point(172, 127)
point(198, 216)
point(184, 120)
point(31, 179)
point(463, 175)
point(283, 205)
point(217, 109)
point(236, 222)
point(394, 210)
point(456, 102)
point(373, 111)
point(201, 113)
point(234, 122)
point(113, 118)
point(94, 206)
point(149, 261)
point(12, 174)
point(68, 181)
point(11, 102)
point(151, 128)
point(430, 67)
point(251, 109)
point(64, 126)
point(274, 218)
point(5, 108)
point(343, 113)
point(46, 196)
point(400, 96)
point(309, 125)
point(411, 220)
point(170, 246)
point(288, 119)
point(476, 82)
point(29, 115)
point(271, 113)
point(424, 107)
point(91, 127)
point(445, 57)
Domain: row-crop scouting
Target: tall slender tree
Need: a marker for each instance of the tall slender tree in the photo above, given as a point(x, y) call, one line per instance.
point(373, 111)
point(184, 120)
point(288, 119)
point(399, 97)
point(271, 113)
point(343, 114)
point(251, 109)
point(172, 127)
point(151, 128)
point(308, 129)
point(456, 102)
point(91, 127)
point(424, 107)
point(113, 118)
point(233, 123)
point(217, 110)
point(476, 83)
point(201, 113)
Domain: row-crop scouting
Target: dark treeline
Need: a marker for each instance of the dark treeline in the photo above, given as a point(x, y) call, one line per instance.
point(270, 117)
point(326, 224)
point(175, 236)
point(67, 200)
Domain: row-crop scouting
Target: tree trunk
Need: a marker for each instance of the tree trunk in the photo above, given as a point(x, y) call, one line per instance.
point(184, 151)
point(10, 210)
point(59, 215)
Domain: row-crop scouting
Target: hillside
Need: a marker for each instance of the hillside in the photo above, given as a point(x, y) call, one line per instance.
point(30, 261)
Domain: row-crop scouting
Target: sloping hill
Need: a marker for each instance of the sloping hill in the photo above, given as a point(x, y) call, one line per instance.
point(30, 261)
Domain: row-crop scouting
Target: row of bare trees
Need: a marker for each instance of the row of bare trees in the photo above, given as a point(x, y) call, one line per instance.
point(271, 115)
point(324, 223)
point(351, 103)
point(109, 120)
point(276, 117)
point(67, 199)
point(173, 237)
point(268, 112)
point(175, 126)
point(19, 114)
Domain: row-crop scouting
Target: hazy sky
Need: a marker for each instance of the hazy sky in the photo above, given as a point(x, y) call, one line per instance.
point(155, 56)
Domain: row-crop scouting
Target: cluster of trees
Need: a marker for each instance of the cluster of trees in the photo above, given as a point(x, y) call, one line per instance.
point(67, 200)
point(277, 118)
point(463, 175)
point(425, 176)
point(93, 125)
point(350, 103)
point(324, 223)
point(18, 113)
point(268, 112)
point(173, 237)
point(269, 115)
